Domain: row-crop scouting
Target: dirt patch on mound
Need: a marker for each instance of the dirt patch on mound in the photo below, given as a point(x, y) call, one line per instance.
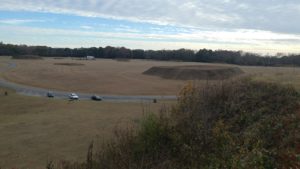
point(194, 72)
point(69, 64)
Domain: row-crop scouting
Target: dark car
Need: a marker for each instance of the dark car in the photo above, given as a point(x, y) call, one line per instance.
point(50, 94)
point(97, 98)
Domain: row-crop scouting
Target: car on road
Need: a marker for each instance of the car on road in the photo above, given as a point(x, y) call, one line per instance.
point(73, 96)
point(96, 98)
point(50, 94)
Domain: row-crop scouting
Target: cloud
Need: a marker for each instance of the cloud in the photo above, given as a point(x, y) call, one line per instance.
point(248, 40)
point(275, 16)
point(250, 25)
point(86, 27)
point(18, 21)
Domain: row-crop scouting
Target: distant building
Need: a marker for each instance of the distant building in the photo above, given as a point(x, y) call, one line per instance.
point(90, 57)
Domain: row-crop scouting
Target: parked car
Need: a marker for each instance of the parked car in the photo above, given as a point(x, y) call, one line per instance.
point(73, 96)
point(96, 98)
point(50, 94)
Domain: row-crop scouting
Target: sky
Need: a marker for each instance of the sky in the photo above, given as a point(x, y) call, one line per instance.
point(260, 26)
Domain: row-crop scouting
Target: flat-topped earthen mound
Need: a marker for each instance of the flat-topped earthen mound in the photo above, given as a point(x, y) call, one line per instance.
point(198, 72)
point(69, 64)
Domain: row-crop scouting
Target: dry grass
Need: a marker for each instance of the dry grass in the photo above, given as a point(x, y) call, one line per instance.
point(281, 75)
point(106, 76)
point(34, 130)
point(102, 76)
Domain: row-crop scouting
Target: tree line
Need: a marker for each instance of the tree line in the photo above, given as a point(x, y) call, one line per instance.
point(202, 55)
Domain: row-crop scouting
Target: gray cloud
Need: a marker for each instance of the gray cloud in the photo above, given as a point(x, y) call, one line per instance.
point(270, 15)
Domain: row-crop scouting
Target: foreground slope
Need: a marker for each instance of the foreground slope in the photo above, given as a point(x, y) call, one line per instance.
point(236, 124)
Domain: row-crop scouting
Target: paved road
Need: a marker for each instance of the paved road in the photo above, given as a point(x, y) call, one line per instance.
point(34, 91)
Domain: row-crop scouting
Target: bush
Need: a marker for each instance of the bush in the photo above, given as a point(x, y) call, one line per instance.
point(234, 124)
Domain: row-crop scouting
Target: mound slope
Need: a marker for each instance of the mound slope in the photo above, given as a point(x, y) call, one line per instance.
point(69, 64)
point(194, 72)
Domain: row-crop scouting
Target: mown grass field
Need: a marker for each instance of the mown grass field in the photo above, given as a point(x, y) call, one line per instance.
point(102, 76)
point(106, 76)
point(34, 130)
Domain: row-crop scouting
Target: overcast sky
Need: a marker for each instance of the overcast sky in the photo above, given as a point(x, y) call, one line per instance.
point(263, 26)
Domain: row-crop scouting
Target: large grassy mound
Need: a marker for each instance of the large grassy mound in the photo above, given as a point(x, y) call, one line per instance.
point(194, 72)
point(236, 124)
point(26, 57)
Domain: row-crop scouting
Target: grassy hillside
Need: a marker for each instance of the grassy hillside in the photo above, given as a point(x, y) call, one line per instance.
point(235, 124)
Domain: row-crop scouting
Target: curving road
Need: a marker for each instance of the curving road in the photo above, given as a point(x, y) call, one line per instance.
point(40, 92)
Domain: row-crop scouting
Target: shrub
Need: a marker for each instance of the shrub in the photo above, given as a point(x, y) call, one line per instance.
point(233, 124)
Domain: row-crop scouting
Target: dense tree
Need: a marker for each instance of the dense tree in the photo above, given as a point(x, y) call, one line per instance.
point(202, 55)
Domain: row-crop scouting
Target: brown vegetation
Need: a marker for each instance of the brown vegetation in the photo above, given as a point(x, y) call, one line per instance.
point(106, 76)
point(101, 76)
point(236, 124)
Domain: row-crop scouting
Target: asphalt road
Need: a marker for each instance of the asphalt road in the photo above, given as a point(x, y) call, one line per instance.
point(40, 92)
